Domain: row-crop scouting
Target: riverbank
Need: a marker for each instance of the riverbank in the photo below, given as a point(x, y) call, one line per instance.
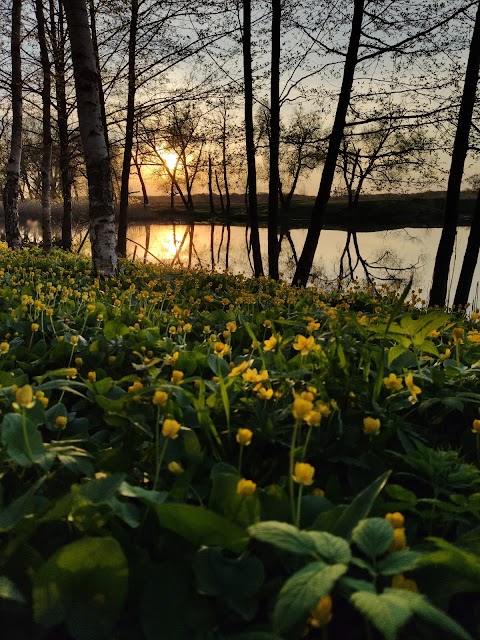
point(369, 215)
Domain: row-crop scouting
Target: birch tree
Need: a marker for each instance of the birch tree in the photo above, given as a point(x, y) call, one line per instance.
point(92, 133)
point(10, 192)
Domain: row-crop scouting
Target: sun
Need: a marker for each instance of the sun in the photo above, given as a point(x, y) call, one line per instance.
point(170, 158)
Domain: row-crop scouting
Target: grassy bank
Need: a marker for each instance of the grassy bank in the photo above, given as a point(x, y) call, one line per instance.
point(189, 455)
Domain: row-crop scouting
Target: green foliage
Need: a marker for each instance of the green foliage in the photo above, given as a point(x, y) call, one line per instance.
point(122, 403)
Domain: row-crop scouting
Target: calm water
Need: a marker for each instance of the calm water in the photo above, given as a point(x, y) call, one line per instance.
point(410, 249)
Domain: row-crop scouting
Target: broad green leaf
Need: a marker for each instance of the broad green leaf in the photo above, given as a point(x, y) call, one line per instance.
point(394, 352)
point(428, 346)
point(397, 492)
point(419, 605)
point(84, 585)
point(201, 527)
point(359, 507)
point(301, 593)
point(284, 536)
point(23, 440)
point(388, 613)
point(373, 536)
point(114, 329)
point(398, 562)
point(216, 574)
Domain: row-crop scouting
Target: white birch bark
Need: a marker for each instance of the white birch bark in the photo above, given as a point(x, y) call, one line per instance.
point(10, 192)
point(100, 190)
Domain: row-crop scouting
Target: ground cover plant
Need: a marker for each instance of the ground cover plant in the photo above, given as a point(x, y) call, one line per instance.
point(202, 456)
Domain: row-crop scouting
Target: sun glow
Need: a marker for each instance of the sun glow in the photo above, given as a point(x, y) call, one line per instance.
point(170, 158)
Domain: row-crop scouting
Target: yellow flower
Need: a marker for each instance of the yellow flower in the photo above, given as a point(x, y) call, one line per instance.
point(371, 426)
point(240, 368)
point(170, 428)
point(313, 419)
point(177, 376)
point(252, 375)
point(61, 422)
point(264, 394)
point(301, 408)
point(40, 396)
point(71, 372)
point(400, 582)
point(246, 488)
point(458, 334)
point(78, 362)
point(175, 468)
point(476, 426)
point(4, 347)
point(221, 349)
point(396, 519)
point(446, 355)
point(74, 340)
point(136, 386)
point(92, 376)
point(160, 398)
point(321, 615)
point(393, 383)
point(313, 326)
point(270, 343)
point(473, 336)
point(304, 345)
point(232, 326)
point(111, 359)
point(34, 327)
point(303, 473)
point(412, 387)
point(324, 409)
point(24, 397)
point(399, 540)
point(244, 437)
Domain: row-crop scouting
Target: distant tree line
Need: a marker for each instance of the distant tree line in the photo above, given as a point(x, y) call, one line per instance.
point(228, 95)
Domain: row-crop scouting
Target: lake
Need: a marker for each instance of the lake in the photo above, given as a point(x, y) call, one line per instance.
point(411, 249)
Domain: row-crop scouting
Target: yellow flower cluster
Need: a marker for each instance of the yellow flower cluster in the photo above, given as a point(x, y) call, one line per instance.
point(397, 521)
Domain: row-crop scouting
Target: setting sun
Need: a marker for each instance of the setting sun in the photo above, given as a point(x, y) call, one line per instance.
point(170, 158)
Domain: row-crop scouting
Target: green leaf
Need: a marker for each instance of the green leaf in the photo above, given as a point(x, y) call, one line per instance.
point(201, 527)
point(373, 536)
point(114, 329)
point(398, 562)
point(359, 507)
point(397, 492)
point(317, 543)
point(387, 612)
point(284, 536)
point(26, 505)
point(9, 591)
point(463, 562)
point(394, 352)
point(23, 440)
point(235, 579)
point(301, 593)
point(84, 585)
point(428, 346)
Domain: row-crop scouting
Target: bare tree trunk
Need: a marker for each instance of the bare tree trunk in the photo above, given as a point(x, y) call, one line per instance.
point(100, 191)
point(127, 152)
point(249, 139)
point(140, 177)
point(224, 163)
point(58, 48)
point(469, 259)
point(10, 192)
point(305, 262)
point(438, 293)
point(46, 130)
point(274, 178)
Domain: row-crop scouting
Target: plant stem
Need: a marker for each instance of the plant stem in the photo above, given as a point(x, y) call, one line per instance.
point(240, 457)
point(299, 506)
point(291, 469)
point(307, 440)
